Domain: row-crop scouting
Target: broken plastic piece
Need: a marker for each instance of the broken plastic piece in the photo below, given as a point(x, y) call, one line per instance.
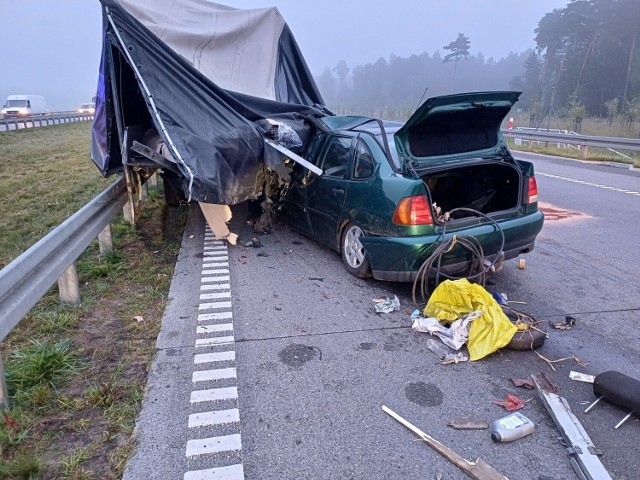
point(468, 422)
point(581, 377)
point(523, 382)
point(438, 348)
point(454, 358)
point(511, 403)
point(501, 298)
point(387, 305)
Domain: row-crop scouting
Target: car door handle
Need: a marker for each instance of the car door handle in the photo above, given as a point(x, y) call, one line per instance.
point(337, 191)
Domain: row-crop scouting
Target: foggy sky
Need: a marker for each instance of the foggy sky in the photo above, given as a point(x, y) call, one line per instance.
point(52, 48)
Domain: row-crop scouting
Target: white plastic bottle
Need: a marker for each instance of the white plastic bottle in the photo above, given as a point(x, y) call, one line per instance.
point(511, 427)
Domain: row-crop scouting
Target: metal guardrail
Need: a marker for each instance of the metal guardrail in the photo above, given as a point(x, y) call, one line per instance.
point(57, 118)
point(574, 139)
point(28, 278)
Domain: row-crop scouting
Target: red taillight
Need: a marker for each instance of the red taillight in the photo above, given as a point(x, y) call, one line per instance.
point(533, 190)
point(413, 211)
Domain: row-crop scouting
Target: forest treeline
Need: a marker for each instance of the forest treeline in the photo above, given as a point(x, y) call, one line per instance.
point(586, 62)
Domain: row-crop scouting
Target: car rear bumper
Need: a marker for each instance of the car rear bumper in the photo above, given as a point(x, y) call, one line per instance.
point(399, 258)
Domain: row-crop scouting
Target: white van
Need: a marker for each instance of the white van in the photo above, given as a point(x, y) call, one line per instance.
point(25, 106)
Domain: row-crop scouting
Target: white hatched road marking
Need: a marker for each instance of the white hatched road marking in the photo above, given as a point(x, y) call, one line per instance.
point(215, 271)
point(591, 184)
point(214, 357)
point(205, 317)
point(219, 286)
point(210, 375)
point(202, 446)
point(218, 417)
point(221, 327)
point(232, 472)
point(214, 395)
point(211, 296)
point(207, 342)
point(216, 278)
point(211, 306)
point(216, 295)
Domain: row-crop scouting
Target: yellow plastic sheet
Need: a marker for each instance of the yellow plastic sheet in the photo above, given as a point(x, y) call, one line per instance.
point(453, 299)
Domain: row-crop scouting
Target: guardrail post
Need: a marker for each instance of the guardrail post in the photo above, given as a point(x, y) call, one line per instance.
point(105, 240)
point(585, 152)
point(69, 286)
point(153, 180)
point(4, 393)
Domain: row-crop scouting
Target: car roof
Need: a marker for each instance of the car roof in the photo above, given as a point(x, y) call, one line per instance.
point(359, 123)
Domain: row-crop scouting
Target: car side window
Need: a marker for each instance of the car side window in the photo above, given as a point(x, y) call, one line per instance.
point(311, 152)
point(336, 157)
point(363, 165)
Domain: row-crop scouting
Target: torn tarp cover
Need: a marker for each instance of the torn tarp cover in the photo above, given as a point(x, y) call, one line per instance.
point(214, 75)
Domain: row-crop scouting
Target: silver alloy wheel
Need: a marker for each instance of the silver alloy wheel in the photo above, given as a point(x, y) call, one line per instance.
point(352, 248)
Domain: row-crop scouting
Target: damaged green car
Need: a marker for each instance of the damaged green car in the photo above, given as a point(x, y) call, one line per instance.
point(391, 193)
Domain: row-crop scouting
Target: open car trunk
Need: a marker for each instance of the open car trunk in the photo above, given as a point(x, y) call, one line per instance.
point(486, 187)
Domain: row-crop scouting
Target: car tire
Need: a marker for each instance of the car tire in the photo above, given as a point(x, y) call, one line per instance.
point(353, 254)
point(528, 339)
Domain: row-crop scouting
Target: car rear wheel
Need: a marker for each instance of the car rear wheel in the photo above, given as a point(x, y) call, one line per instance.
point(354, 256)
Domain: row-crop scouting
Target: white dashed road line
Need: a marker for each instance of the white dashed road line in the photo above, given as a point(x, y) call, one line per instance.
point(591, 184)
point(217, 333)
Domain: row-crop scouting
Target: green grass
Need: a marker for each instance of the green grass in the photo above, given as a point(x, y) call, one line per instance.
point(76, 376)
point(593, 126)
point(46, 175)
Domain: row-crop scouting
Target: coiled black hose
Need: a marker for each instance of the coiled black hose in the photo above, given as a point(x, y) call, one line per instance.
point(477, 270)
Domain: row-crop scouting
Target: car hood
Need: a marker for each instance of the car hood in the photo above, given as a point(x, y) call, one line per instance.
point(448, 128)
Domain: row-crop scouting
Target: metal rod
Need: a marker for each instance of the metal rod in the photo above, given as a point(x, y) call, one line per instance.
point(592, 405)
point(623, 420)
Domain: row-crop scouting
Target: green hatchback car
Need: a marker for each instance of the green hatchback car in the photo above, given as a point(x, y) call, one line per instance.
point(391, 193)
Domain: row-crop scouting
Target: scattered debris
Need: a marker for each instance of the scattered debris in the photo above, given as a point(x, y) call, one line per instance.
point(262, 254)
point(582, 363)
point(618, 389)
point(479, 469)
point(453, 299)
point(277, 307)
point(386, 305)
point(438, 348)
point(252, 243)
point(511, 403)
point(565, 324)
point(319, 279)
point(522, 264)
point(446, 355)
point(531, 333)
point(468, 422)
point(138, 318)
point(501, 298)
point(242, 259)
point(457, 357)
point(583, 453)
point(581, 377)
point(511, 427)
point(523, 382)
point(455, 336)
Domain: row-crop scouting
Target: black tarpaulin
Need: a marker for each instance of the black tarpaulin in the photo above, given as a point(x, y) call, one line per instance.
point(215, 132)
